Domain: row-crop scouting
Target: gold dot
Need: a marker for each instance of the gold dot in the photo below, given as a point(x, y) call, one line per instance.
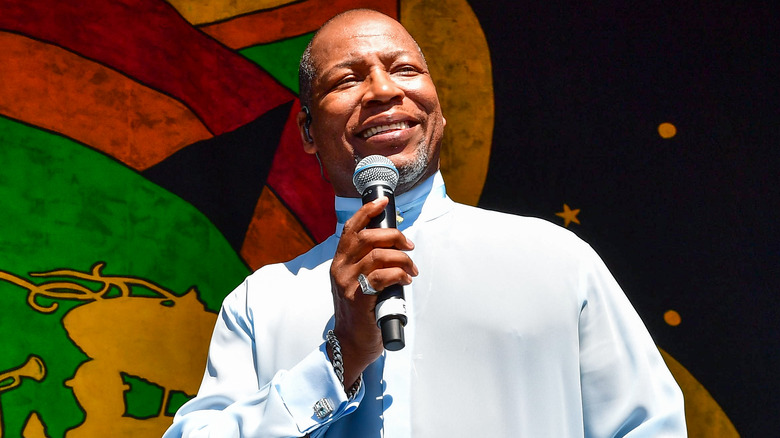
point(667, 130)
point(672, 318)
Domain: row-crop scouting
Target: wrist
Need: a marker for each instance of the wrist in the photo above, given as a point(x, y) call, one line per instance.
point(337, 360)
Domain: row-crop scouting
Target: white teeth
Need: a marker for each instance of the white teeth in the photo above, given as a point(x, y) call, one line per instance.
point(370, 132)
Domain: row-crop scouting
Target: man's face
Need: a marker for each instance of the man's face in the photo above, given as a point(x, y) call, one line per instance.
point(372, 95)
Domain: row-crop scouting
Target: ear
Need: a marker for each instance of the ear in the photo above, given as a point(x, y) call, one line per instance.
point(304, 129)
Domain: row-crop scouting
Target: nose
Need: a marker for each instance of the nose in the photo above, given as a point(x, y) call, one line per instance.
point(381, 88)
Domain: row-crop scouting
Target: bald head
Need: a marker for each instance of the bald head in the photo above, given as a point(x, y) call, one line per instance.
point(366, 90)
point(307, 69)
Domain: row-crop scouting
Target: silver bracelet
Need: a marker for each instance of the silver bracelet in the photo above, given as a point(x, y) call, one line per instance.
point(338, 365)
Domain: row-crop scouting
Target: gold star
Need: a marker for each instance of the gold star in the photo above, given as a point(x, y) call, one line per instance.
point(569, 215)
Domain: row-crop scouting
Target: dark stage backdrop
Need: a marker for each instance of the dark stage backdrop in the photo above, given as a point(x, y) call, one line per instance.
point(686, 223)
point(150, 160)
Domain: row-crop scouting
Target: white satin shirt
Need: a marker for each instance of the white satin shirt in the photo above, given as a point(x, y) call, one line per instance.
point(516, 329)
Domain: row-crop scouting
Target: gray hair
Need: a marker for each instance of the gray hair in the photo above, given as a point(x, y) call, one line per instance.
point(306, 74)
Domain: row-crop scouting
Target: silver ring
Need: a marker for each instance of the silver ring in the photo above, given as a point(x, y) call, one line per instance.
point(366, 286)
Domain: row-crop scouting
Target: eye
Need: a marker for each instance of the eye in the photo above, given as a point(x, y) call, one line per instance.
point(336, 80)
point(345, 81)
point(406, 70)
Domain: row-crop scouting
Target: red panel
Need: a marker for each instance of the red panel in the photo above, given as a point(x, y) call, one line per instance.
point(295, 177)
point(150, 42)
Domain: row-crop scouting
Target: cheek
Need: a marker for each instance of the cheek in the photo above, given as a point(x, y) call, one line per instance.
point(335, 122)
point(423, 92)
point(339, 105)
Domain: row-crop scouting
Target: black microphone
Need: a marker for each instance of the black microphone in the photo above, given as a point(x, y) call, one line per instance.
point(376, 176)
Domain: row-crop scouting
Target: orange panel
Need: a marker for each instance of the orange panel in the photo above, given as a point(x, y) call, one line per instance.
point(274, 234)
point(288, 21)
point(54, 89)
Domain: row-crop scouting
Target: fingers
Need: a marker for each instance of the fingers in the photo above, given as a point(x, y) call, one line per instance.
point(360, 219)
point(384, 267)
point(379, 254)
point(376, 253)
point(381, 266)
point(380, 237)
point(377, 280)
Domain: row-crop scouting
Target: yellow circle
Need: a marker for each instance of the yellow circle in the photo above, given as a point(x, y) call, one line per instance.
point(449, 32)
point(667, 130)
point(672, 318)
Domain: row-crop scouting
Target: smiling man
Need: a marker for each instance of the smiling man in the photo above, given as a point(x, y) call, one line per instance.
point(516, 327)
point(368, 90)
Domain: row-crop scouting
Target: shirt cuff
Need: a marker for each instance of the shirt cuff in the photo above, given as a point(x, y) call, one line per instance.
point(312, 393)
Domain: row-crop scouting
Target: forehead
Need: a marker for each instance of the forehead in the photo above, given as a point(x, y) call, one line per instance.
point(361, 34)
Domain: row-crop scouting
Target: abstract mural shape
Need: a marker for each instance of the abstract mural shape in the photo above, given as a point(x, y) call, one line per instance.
point(224, 176)
point(296, 19)
point(54, 89)
point(206, 12)
point(459, 60)
point(69, 206)
point(148, 41)
point(130, 331)
point(33, 369)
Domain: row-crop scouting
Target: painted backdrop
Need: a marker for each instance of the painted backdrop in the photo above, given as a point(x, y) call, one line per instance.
point(150, 160)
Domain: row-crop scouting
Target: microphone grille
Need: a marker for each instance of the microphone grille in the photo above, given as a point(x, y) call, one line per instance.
point(375, 169)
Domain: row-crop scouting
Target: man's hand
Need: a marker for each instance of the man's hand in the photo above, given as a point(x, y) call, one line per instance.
point(377, 254)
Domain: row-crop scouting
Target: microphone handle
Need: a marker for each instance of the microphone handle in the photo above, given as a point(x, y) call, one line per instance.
point(390, 305)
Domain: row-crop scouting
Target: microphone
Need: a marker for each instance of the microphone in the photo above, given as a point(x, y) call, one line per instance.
point(376, 176)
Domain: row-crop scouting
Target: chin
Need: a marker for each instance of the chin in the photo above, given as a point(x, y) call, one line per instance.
point(412, 172)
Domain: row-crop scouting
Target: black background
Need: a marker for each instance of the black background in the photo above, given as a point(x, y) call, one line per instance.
point(687, 223)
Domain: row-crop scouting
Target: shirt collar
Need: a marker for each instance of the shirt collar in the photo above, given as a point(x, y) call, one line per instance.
point(428, 200)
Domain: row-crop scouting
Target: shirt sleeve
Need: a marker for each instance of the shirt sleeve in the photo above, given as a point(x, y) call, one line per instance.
point(627, 390)
point(233, 402)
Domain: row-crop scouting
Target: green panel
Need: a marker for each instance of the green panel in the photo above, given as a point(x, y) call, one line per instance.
point(175, 400)
point(280, 59)
point(65, 206)
point(143, 399)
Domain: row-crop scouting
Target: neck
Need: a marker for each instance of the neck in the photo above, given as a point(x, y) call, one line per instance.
point(409, 204)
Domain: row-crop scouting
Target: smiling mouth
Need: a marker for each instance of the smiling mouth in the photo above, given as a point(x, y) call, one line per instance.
point(370, 132)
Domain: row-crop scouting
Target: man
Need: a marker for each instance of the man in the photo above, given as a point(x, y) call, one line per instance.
point(516, 328)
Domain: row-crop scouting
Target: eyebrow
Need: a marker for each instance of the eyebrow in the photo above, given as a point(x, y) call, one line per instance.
point(357, 60)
